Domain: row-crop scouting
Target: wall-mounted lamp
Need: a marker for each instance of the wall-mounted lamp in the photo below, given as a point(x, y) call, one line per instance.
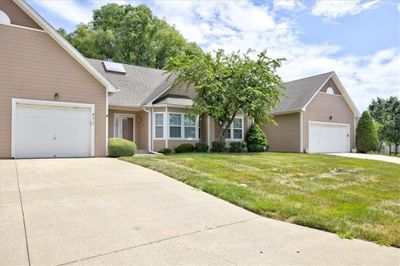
point(56, 96)
point(139, 119)
point(330, 118)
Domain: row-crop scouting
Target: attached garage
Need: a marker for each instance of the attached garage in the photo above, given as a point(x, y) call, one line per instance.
point(50, 129)
point(328, 137)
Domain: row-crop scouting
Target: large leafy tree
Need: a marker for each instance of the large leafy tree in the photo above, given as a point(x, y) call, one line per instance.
point(227, 84)
point(386, 112)
point(129, 34)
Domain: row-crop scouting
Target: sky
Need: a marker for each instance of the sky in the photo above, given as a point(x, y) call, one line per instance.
point(358, 39)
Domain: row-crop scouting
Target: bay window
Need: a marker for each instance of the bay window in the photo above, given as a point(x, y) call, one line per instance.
point(159, 125)
point(235, 131)
point(175, 126)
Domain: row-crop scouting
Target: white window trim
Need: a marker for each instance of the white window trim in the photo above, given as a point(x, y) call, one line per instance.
point(164, 125)
point(231, 129)
point(122, 115)
point(196, 126)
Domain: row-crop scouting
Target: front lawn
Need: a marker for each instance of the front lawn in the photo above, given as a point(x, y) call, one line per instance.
point(351, 197)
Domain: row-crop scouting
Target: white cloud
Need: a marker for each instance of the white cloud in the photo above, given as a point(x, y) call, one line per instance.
point(292, 5)
point(332, 9)
point(67, 9)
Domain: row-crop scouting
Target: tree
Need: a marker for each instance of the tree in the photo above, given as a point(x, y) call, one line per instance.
point(255, 139)
point(366, 135)
point(387, 113)
point(129, 34)
point(227, 84)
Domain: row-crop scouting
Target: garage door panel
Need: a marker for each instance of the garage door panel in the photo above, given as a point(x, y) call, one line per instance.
point(328, 137)
point(52, 131)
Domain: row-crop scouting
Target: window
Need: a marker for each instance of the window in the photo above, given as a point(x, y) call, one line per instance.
point(159, 125)
point(175, 125)
point(235, 130)
point(190, 127)
point(329, 90)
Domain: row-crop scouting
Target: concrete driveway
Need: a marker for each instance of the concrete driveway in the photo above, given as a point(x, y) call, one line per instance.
point(375, 157)
point(105, 211)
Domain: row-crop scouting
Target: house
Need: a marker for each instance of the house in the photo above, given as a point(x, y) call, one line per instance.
point(56, 103)
point(315, 115)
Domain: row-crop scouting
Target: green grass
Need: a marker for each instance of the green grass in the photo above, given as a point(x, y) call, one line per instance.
point(362, 200)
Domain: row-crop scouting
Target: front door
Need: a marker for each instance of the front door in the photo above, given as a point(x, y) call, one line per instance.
point(124, 126)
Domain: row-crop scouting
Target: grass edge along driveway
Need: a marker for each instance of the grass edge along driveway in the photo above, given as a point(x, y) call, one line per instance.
point(351, 197)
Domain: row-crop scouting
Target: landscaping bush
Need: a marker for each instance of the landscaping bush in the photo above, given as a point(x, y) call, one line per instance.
point(218, 146)
point(184, 147)
point(201, 147)
point(118, 147)
point(366, 135)
point(165, 151)
point(256, 139)
point(237, 147)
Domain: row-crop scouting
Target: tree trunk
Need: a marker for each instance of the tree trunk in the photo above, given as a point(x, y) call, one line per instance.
point(390, 148)
point(380, 147)
point(396, 148)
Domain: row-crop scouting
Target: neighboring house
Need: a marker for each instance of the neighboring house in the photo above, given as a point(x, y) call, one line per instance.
point(56, 103)
point(316, 115)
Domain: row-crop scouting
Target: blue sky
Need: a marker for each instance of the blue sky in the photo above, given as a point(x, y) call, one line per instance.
point(359, 39)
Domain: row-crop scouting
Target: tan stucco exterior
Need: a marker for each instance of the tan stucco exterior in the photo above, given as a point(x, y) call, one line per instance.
point(34, 66)
point(16, 15)
point(285, 136)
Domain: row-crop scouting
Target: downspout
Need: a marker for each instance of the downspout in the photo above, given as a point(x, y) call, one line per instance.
point(301, 132)
point(150, 133)
point(208, 131)
point(166, 122)
point(106, 150)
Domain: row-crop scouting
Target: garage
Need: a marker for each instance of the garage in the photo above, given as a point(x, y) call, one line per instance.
point(50, 129)
point(328, 137)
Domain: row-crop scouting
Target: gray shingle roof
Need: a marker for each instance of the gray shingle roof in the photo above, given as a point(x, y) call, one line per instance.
point(141, 84)
point(299, 92)
point(137, 86)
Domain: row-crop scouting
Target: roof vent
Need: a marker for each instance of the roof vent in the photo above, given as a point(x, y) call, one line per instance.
point(114, 67)
point(4, 19)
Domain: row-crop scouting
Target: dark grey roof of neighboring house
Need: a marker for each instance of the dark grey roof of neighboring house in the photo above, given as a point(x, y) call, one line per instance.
point(138, 86)
point(299, 92)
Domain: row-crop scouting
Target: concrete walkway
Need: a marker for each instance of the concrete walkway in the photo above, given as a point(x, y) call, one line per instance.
point(105, 211)
point(376, 157)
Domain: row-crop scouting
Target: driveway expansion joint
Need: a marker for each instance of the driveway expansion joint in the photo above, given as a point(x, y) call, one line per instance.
point(160, 240)
point(23, 213)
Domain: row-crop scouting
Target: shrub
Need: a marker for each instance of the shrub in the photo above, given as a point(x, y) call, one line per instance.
point(184, 147)
point(201, 147)
point(121, 147)
point(165, 151)
point(237, 147)
point(256, 139)
point(257, 148)
point(218, 146)
point(366, 135)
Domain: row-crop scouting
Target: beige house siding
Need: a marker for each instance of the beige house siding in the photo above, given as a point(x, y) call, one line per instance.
point(34, 66)
point(16, 15)
point(322, 107)
point(286, 135)
point(141, 128)
point(179, 89)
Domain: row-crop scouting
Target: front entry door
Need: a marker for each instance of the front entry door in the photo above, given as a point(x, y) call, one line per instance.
point(124, 126)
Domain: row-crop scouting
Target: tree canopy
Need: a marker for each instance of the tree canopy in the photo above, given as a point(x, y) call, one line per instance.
point(386, 112)
point(129, 34)
point(227, 84)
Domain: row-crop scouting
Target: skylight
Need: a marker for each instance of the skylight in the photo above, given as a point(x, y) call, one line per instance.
point(114, 67)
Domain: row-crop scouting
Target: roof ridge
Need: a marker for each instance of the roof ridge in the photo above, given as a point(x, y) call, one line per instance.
point(131, 65)
point(313, 76)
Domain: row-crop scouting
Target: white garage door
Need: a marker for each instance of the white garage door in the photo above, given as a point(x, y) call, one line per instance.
point(328, 137)
point(51, 130)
